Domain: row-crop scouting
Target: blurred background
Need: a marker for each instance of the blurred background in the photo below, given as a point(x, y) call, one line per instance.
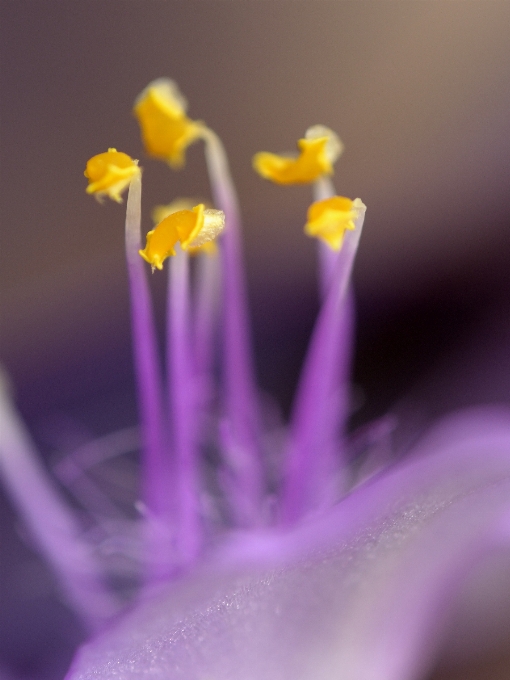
point(420, 95)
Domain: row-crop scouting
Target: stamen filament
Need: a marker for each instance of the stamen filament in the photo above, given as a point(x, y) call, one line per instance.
point(51, 523)
point(241, 430)
point(181, 381)
point(309, 479)
point(155, 464)
point(206, 307)
point(323, 188)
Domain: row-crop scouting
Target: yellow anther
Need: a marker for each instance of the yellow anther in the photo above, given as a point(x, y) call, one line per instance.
point(193, 228)
point(160, 243)
point(329, 220)
point(318, 150)
point(166, 129)
point(207, 246)
point(110, 173)
point(159, 212)
point(209, 224)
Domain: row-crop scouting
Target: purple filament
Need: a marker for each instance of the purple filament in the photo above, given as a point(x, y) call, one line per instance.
point(240, 431)
point(155, 466)
point(184, 416)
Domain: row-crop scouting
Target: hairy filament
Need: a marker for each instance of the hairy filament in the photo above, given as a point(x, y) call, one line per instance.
point(155, 464)
point(51, 523)
point(206, 308)
point(310, 465)
point(182, 388)
point(241, 427)
point(324, 188)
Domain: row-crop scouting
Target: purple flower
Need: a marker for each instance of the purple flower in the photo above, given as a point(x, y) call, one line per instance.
point(316, 572)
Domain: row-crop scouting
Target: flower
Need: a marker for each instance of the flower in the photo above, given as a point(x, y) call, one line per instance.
point(361, 592)
point(325, 572)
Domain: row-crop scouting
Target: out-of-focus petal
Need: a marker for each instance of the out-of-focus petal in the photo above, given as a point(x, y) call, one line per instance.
point(359, 594)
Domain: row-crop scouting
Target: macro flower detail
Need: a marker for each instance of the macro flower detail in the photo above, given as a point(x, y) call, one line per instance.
point(159, 212)
point(110, 174)
point(253, 556)
point(318, 151)
point(329, 219)
point(166, 130)
point(193, 228)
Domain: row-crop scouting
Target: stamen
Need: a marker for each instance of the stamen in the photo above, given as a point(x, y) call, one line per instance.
point(52, 524)
point(193, 228)
point(110, 174)
point(161, 112)
point(156, 477)
point(213, 218)
point(183, 402)
point(329, 219)
point(334, 146)
point(240, 431)
point(311, 473)
point(318, 151)
point(159, 212)
point(166, 130)
point(160, 242)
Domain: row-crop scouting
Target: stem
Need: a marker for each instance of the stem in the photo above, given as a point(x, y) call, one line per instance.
point(240, 431)
point(155, 472)
point(53, 526)
point(181, 380)
point(320, 399)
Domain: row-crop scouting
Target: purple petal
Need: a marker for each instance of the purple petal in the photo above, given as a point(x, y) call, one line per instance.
point(361, 593)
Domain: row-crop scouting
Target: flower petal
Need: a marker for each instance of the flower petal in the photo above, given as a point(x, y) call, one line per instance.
point(358, 594)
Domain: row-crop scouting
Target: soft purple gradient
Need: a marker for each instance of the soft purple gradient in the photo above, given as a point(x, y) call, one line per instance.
point(155, 463)
point(205, 326)
point(312, 475)
point(419, 93)
point(241, 437)
point(362, 592)
point(183, 412)
point(52, 525)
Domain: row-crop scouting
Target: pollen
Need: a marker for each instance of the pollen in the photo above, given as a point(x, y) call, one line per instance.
point(193, 228)
point(318, 151)
point(110, 173)
point(329, 219)
point(213, 224)
point(209, 224)
point(166, 129)
point(159, 212)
